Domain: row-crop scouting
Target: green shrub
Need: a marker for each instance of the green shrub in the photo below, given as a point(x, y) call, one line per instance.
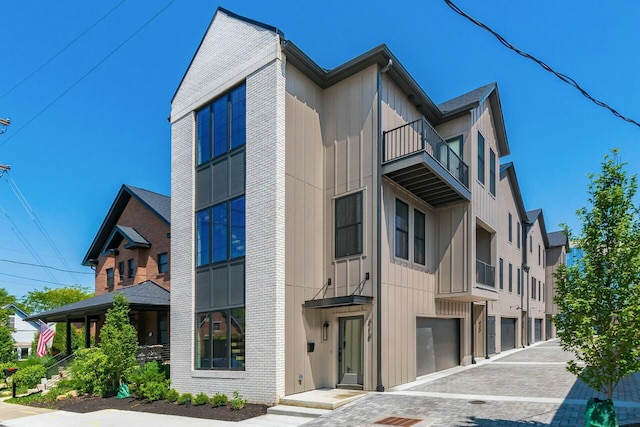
point(185, 398)
point(150, 373)
point(29, 376)
point(90, 372)
point(200, 399)
point(238, 401)
point(155, 390)
point(219, 400)
point(172, 395)
point(63, 387)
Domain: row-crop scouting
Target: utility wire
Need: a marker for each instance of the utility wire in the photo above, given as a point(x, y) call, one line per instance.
point(78, 37)
point(33, 280)
point(91, 70)
point(566, 79)
point(45, 266)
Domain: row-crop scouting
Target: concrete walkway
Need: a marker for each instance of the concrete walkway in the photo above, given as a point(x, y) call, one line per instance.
point(521, 387)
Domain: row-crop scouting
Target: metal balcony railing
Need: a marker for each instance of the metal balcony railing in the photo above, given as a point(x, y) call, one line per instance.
point(485, 274)
point(420, 136)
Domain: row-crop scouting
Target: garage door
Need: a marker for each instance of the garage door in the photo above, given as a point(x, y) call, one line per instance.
point(538, 332)
point(507, 334)
point(437, 344)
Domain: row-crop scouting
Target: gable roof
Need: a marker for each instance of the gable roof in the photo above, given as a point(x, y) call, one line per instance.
point(158, 204)
point(20, 312)
point(508, 170)
point(146, 294)
point(558, 238)
point(536, 215)
point(461, 105)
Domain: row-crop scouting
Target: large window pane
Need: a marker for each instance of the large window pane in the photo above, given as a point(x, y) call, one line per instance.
point(237, 328)
point(480, 158)
point(203, 341)
point(204, 135)
point(402, 229)
point(348, 220)
point(237, 231)
point(219, 240)
point(492, 172)
point(220, 126)
point(220, 338)
point(419, 238)
point(238, 117)
point(203, 234)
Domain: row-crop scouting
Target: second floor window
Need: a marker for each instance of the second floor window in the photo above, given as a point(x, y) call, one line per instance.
point(510, 228)
point(348, 219)
point(518, 234)
point(130, 268)
point(418, 237)
point(510, 277)
point(501, 272)
point(492, 172)
point(121, 270)
point(402, 229)
point(221, 232)
point(163, 263)
point(480, 158)
point(518, 278)
point(110, 277)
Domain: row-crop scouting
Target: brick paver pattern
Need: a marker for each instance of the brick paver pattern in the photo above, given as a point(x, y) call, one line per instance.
point(530, 387)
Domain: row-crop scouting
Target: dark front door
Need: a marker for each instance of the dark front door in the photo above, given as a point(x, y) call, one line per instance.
point(350, 352)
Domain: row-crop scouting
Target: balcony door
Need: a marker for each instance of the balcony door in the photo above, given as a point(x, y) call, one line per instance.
point(351, 352)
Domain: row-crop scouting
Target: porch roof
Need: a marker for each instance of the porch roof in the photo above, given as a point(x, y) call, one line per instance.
point(147, 295)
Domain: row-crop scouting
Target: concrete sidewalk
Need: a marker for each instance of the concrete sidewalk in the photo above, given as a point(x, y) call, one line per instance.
point(25, 416)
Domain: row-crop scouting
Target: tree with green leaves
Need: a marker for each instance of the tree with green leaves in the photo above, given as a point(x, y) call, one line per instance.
point(38, 301)
point(7, 348)
point(599, 295)
point(119, 339)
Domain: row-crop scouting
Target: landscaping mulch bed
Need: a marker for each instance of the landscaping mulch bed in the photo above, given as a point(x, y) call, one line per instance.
point(84, 404)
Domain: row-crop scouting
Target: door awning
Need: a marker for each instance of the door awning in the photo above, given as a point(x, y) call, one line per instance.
point(338, 301)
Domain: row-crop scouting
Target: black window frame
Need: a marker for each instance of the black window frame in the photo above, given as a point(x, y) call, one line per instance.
point(481, 158)
point(501, 272)
point(401, 244)
point(110, 278)
point(419, 238)
point(121, 271)
point(518, 280)
point(533, 288)
point(131, 267)
point(492, 172)
point(229, 226)
point(354, 228)
point(230, 348)
point(518, 231)
point(163, 265)
point(510, 277)
point(510, 228)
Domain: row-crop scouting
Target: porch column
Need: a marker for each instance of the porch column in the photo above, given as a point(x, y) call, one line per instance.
point(87, 332)
point(68, 338)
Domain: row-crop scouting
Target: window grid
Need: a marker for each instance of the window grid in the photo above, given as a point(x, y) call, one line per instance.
point(402, 229)
point(348, 220)
point(419, 237)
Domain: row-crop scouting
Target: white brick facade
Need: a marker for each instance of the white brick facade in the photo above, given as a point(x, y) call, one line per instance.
point(233, 51)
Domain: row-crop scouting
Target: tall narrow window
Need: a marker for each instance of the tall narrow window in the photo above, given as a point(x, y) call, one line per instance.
point(539, 256)
point(402, 229)
point(203, 237)
point(518, 278)
point(531, 244)
point(533, 288)
point(110, 278)
point(121, 270)
point(418, 237)
point(510, 277)
point(501, 266)
point(492, 172)
point(163, 263)
point(480, 158)
point(518, 234)
point(130, 268)
point(349, 225)
point(510, 228)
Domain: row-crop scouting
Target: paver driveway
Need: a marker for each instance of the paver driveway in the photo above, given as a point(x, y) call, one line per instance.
point(528, 387)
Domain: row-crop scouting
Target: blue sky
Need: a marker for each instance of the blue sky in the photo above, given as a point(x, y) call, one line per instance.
point(111, 127)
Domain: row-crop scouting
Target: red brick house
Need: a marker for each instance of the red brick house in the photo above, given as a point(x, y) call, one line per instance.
point(129, 254)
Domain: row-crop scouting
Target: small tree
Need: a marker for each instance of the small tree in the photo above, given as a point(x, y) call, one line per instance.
point(599, 296)
point(7, 349)
point(119, 339)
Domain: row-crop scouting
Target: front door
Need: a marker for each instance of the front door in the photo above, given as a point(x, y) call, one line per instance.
point(350, 352)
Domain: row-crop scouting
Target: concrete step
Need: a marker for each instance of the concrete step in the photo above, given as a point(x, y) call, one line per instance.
point(297, 411)
point(323, 398)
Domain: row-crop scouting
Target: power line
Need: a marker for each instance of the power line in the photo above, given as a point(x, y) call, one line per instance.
point(566, 79)
point(91, 70)
point(45, 266)
point(32, 214)
point(31, 279)
point(78, 37)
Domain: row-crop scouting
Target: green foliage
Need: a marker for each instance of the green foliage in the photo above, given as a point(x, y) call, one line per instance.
point(172, 395)
point(37, 301)
point(200, 399)
point(119, 340)
point(59, 344)
point(185, 398)
point(6, 298)
point(90, 372)
point(7, 351)
point(599, 296)
point(155, 390)
point(29, 376)
point(26, 400)
point(238, 401)
point(219, 399)
point(138, 376)
point(63, 387)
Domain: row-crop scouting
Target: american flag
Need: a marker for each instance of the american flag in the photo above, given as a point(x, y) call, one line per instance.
point(45, 336)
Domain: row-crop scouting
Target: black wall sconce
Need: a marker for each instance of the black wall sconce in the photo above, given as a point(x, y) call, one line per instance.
point(325, 331)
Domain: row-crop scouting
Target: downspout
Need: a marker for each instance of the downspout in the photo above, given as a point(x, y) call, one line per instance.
point(473, 334)
point(379, 386)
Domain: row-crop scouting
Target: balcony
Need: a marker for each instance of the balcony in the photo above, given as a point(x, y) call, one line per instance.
point(417, 158)
point(485, 274)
